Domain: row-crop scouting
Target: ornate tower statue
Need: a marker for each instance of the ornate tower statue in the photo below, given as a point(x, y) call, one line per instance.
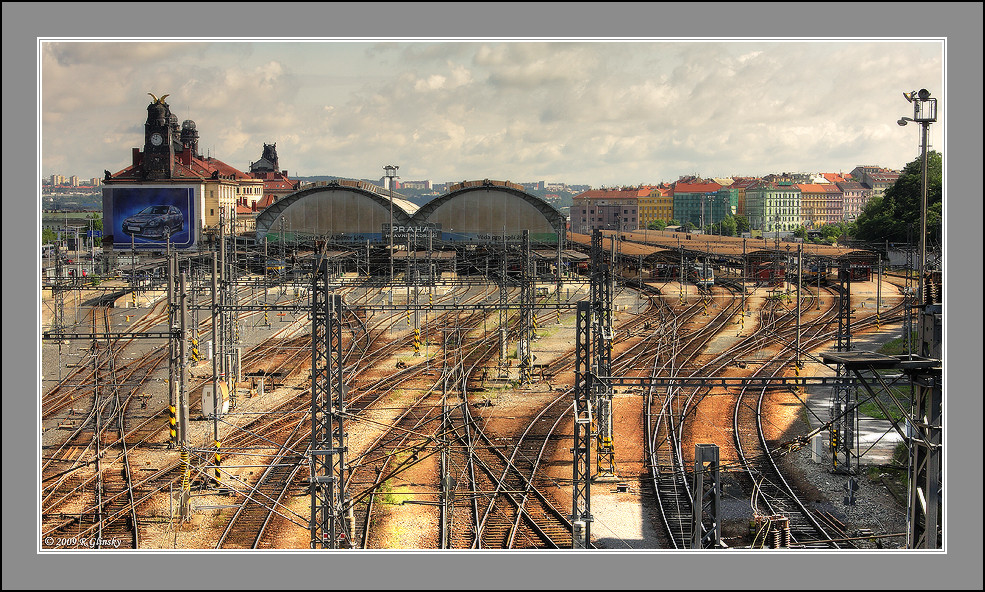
point(158, 144)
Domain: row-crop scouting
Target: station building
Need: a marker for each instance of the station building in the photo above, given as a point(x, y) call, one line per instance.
point(170, 193)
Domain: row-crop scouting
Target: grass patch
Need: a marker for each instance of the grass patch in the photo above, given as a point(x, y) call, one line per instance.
point(897, 347)
point(870, 409)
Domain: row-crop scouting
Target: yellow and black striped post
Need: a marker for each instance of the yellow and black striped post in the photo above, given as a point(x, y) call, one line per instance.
point(218, 462)
point(173, 425)
point(534, 328)
point(408, 318)
point(133, 299)
point(266, 319)
point(430, 298)
point(417, 342)
point(834, 447)
point(558, 316)
point(185, 483)
point(195, 355)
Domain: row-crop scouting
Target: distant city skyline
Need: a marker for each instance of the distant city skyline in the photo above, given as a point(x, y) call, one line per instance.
point(585, 112)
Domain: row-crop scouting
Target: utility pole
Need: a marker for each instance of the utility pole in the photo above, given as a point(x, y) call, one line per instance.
point(800, 272)
point(216, 393)
point(183, 407)
point(926, 499)
point(503, 312)
point(391, 174)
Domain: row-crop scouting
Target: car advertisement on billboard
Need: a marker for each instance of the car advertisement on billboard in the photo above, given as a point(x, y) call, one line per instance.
point(151, 217)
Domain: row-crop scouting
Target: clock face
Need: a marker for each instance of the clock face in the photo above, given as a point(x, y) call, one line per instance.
point(156, 139)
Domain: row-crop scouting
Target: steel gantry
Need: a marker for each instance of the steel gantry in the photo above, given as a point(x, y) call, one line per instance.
point(706, 523)
point(581, 478)
point(843, 411)
point(527, 317)
point(926, 496)
point(503, 312)
point(328, 446)
point(601, 300)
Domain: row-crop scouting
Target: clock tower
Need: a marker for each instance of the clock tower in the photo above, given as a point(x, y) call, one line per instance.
point(158, 147)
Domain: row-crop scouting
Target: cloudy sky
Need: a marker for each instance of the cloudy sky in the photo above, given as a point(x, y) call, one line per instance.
point(583, 111)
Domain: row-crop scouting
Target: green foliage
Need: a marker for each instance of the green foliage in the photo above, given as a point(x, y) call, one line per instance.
point(725, 228)
point(896, 216)
point(830, 233)
point(48, 236)
point(741, 224)
point(800, 232)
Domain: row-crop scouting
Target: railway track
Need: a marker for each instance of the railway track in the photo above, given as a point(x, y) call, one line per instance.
point(503, 477)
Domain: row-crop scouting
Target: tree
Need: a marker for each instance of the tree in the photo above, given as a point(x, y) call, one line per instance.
point(728, 226)
point(741, 224)
point(725, 228)
point(800, 232)
point(830, 233)
point(894, 215)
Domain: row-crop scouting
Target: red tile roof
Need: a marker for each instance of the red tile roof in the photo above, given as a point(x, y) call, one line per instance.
point(186, 167)
point(267, 201)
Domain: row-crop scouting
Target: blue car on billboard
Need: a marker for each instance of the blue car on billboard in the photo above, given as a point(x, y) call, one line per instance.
point(154, 222)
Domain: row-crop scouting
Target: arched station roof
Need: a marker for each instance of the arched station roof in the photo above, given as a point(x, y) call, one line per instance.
point(489, 208)
point(335, 208)
point(475, 210)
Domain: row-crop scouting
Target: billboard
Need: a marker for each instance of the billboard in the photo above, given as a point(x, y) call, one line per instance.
point(148, 217)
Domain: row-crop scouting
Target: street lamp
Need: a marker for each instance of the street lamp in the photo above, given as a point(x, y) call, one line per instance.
point(391, 174)
point(924, 113)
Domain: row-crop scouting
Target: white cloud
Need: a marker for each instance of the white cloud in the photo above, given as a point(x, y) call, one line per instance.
point(585, 111)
